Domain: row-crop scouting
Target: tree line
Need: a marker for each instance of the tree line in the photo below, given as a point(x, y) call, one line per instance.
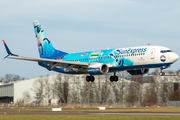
point(129, 90)
point(11, 78)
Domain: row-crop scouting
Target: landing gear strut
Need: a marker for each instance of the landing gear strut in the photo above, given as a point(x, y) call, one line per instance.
point(162, 73)
point(90, 78)
point(114, 78)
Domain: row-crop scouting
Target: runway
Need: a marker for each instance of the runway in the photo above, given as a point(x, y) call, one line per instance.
point(93, 113)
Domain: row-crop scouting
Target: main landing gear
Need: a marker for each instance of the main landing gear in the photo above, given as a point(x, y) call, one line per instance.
point(90, 78)
point(114, 78)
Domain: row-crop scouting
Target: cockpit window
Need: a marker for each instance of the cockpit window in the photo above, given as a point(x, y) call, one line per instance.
point(165, 51)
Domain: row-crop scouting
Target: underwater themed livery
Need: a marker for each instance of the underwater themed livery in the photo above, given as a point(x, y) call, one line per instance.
point(135, 60)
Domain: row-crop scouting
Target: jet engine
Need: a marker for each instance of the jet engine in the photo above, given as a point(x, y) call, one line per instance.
point(97, 68)
point(138, 71)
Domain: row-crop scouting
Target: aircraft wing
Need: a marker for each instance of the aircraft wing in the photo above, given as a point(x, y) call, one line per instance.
point(54, 63)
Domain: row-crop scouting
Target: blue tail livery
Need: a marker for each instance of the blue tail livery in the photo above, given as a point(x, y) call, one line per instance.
point(46, 49)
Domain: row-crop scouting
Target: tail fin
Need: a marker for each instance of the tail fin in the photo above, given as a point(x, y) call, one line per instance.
point(46, 49)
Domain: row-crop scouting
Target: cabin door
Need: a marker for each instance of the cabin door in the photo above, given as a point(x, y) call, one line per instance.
point(152, 54)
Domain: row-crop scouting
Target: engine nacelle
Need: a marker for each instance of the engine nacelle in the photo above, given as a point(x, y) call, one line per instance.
point(97, 68)
point(138, 72)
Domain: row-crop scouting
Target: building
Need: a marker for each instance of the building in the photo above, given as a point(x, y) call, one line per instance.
point(12, 93)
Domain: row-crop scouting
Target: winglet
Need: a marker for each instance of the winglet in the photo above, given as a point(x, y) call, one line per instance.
point(7, 49)
point(3, 41)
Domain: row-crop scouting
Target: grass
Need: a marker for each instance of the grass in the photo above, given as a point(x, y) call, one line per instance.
point(163, 109)
point(85, 117)
point(143, 109)
point(89, 117)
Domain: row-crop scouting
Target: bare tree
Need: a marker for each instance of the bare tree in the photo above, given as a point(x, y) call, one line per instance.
point(178, 73)
point(61, 88)
point(174, 95)
point(75, 89)
point(38, 89)
point(155, 71)
point(122, 85)
point(105, 92)
point(91, 93)
point(66, 88)
point(47, 88)
point(20, 102)
point(134, 92)
point(116, 92)
point(130, 98)
point(10, 78)
point(97, 88)
point(165, 88)
point(150, 97)
point(58, 88)
point(84, 93)
point(94, 92)
point(26, 96)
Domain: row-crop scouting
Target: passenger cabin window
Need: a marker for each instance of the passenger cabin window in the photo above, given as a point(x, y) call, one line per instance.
point(165, 51)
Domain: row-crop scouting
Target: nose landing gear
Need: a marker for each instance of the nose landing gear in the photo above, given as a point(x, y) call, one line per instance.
point(162, 68)
point(162, 73)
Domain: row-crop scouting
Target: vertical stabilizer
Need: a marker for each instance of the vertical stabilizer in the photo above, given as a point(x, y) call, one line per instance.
point(46, 49)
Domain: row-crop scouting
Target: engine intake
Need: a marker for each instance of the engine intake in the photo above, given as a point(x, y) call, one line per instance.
point(97, 68)
point(138, 72)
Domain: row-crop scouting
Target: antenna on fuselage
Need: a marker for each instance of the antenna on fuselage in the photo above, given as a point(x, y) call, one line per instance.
point(149, 44)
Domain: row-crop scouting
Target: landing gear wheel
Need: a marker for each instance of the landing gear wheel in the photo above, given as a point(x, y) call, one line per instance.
point(113, 78)
point(162, 73)
point(90, 78)
point(116, 78)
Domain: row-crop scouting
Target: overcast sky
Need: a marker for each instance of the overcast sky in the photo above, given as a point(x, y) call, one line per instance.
point(83, 25)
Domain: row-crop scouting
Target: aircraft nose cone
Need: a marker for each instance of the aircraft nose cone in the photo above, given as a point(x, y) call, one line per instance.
point(175, 57)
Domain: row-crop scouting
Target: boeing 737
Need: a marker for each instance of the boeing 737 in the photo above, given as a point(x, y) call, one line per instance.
point(135, 60)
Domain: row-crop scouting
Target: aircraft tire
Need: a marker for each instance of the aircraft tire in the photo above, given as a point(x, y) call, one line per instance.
point(113, 78)
point(92, 78)
point(116, 78)
point(163, 73)
point(88, 78)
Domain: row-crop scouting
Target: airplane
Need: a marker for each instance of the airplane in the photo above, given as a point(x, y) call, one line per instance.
point(135, 60)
